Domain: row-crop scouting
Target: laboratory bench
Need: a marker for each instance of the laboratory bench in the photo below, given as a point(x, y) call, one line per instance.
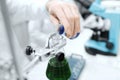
point(99, 67)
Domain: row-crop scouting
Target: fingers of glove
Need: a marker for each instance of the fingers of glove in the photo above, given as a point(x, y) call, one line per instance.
point(70, 18)
point(59, 13)
point(54, 20)
point(76, 20)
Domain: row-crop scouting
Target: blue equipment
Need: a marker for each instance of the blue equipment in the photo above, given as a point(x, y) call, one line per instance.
point(108, 41)
point(77, 64)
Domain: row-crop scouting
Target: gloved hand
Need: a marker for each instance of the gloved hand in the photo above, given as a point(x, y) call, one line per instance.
point(66, 14)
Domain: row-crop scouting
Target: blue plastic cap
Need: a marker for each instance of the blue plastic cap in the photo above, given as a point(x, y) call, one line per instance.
point(61, 29)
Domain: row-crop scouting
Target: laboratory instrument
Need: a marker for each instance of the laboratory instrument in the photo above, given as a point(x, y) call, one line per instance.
point(77, 64)
point(104, 40)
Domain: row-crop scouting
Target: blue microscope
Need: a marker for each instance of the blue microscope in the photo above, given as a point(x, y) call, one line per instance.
point(105, 42)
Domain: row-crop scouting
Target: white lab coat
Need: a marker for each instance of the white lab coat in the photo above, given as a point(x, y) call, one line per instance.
point(21, 13)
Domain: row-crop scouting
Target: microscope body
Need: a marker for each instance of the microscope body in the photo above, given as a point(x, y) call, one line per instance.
point(107, 45)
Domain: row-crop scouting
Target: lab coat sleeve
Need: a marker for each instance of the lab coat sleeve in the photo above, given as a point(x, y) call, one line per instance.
point(23, 10)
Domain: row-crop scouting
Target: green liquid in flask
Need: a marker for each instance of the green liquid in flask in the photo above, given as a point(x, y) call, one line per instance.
point(58, 70)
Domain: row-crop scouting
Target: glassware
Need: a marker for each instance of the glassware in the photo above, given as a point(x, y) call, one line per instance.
point(58, 69)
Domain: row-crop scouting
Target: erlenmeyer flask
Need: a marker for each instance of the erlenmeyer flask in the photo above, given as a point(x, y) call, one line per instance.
point(58, 68)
